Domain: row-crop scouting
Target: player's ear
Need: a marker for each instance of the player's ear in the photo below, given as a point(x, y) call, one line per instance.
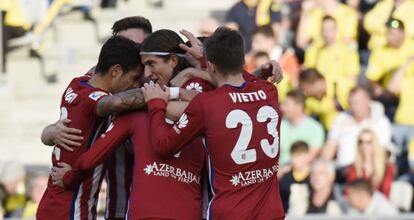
point(174, 60)
point(212, 68)
point(116, 70)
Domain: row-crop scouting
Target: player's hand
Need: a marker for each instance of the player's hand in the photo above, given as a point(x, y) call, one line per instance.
point(66, 137)
point(277, 72)
point(154, 91)
point(270, 71)
point(190, 73)
point(58, 172)
point(195, 52)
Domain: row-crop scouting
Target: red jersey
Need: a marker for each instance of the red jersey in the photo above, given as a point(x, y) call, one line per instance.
point(78, 103)
point(241, 129)
point(161, 189)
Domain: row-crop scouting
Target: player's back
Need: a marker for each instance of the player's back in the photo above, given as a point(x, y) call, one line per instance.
point(242, 140)
point(164, 189)
point(79, 105)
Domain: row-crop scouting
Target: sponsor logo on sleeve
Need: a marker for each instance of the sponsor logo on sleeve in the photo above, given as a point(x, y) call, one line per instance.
point(182, 123)
point(70, 95)
point(195, 86)
point(96, 95)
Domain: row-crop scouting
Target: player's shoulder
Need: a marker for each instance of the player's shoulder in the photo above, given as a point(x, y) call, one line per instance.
point(79, 89)
point(198, 84)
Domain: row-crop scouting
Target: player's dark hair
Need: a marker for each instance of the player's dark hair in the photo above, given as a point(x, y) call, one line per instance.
point(167, 41)
point(265, 30)
point(118, 50)
point(297, 96)
point(299, 147)
point(132, 22)
point(310, 76)
point(225, 49)
point(361, 185)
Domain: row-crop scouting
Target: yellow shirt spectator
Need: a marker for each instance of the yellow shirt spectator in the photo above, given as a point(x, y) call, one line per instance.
point(374, 20)
point(345, 16)
point(338, 63)
point(324, 108)
point(385, 60)
point(14, 14)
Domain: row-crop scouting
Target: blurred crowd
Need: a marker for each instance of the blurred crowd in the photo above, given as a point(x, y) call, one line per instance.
point(347, 135)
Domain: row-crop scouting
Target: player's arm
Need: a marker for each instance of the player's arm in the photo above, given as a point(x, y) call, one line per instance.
point(168, 141)
point(121, 102)
point(101, 149)
point(175, 109)
point(60, 134)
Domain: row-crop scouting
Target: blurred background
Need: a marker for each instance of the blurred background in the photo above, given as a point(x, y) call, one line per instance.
point(347, 146)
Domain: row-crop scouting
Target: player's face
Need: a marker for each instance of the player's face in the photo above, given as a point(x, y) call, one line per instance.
point(157, 69)
point(128, 80)
point(135, 34)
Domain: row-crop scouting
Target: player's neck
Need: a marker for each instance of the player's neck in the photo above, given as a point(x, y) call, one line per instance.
point(98, 81)
point(233, 80)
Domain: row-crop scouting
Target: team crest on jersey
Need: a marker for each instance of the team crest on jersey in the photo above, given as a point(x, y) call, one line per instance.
point(195, 86)
point(181, 123)
point(70, 95)
point(166, 170)
point(254, 176)
point(96, 95)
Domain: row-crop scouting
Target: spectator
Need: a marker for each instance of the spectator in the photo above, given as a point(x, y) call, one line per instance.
point(247, 15)
point(321, 99)
point(375, 20)
point(371, 163)
point(12, 177)
point(260, 58)
point(401, 85)
point(336, 61)
point(320, 198)
point(342, 138)
point(310, 24)
point(36, 187)
point(14, 25)
point(265, 40)
point(385, 60)
point(364, 201)
point(207, 26)
point(297, 126)
point(299, 174)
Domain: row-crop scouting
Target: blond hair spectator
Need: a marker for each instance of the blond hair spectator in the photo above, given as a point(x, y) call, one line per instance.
point(371, 163)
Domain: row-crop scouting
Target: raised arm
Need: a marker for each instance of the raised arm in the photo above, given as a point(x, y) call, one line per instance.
point(167, 141)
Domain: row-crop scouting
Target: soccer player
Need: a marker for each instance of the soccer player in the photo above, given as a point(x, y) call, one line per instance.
point(119, 166)
point(118, 69)
point(240, 122)
point(163, 58)
point(177, 180)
